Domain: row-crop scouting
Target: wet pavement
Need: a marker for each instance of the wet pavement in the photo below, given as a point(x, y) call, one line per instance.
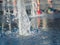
point(46, 37)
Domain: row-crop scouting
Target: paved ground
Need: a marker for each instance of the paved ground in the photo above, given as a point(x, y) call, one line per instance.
point(46, 37)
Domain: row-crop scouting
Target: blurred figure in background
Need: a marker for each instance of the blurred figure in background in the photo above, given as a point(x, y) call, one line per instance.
point(50, 9)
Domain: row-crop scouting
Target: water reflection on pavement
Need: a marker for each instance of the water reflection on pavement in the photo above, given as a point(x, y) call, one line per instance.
point(46, 37)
